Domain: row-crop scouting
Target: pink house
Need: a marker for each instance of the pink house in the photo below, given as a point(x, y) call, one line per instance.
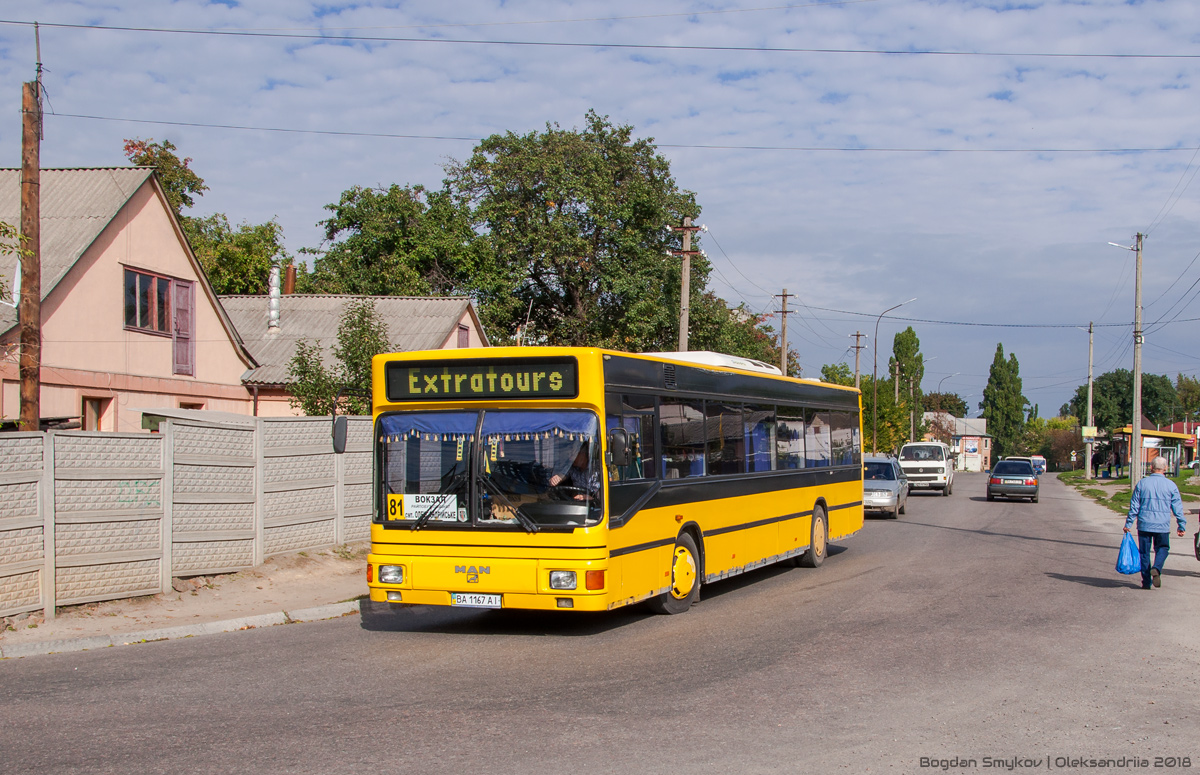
point(130, 322)
point(128, 319)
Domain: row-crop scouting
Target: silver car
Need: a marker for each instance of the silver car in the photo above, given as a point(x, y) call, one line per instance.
point(885, 487)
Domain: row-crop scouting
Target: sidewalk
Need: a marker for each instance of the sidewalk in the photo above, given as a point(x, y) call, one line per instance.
point(304, 586)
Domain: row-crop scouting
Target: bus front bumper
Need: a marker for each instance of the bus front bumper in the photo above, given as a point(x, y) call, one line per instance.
point(475, 582)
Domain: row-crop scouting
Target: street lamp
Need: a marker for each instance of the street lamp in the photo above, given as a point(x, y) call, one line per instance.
point(875, 381)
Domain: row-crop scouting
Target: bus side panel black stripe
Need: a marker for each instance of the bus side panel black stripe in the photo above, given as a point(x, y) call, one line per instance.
point(641, 547)
point(759, 523)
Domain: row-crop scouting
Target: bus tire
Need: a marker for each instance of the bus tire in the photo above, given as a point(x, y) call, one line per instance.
point(685, 579)
point(818, 544)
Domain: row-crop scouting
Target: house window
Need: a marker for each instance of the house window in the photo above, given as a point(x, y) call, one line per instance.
point(147, 302)
point(163, 305)
point(464, 337)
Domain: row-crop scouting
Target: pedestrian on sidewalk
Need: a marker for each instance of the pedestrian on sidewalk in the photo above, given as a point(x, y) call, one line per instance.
point(1153, 502)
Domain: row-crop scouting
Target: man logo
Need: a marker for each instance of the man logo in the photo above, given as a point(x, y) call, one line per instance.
point(473, 572)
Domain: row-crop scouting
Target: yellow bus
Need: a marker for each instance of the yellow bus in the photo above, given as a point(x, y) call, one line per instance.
point(586, 479)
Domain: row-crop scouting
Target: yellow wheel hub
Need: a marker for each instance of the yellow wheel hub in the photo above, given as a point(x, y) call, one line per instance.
point(819, 538)
point(683, 573)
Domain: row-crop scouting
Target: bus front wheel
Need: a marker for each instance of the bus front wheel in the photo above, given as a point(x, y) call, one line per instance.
point(818, 544)
point(685, 578)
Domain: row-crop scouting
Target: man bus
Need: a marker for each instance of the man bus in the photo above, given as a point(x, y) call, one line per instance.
point(586, 479)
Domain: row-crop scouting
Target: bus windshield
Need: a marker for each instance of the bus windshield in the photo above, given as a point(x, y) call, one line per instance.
point(525, 469)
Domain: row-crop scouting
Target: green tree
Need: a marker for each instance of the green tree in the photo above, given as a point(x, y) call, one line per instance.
point(175, 175)
point(950, 403)
point(735, 331)
point(1112, 399)
point(236, 260)
point(576, 220)
point(892, 418)
point(1003, 405)
point(837, 374)
point(314, 385)
point(906, 352)
point(1187, 394)
point(399, 241)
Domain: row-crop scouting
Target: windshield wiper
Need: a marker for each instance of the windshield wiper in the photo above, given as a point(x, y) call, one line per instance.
point(527, 523)
point(455, 482)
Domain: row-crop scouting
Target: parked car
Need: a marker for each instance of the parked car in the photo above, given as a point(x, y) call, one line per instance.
point(928, 465)
point(885, 487)
point(1013, 479)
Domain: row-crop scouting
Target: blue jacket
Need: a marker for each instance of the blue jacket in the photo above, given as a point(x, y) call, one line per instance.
point(1153, 502)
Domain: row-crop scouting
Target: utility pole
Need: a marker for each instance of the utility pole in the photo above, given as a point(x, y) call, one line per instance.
point(29, 310)
point(685, 292)
point(1088, 447)
point(912, 411)
point(896, 382)
point(783, 366)
point(1135, 444)
point(858, 335)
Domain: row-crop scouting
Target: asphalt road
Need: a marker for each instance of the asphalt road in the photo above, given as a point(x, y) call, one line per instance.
point(983, 631)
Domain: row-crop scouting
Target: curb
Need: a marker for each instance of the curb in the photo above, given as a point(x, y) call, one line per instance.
point(318, 613)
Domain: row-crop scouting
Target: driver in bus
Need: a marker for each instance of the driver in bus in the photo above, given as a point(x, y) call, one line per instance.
point(584, 482)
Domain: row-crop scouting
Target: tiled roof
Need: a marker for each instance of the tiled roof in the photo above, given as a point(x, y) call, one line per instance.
point(413, 323)
point(76, 205)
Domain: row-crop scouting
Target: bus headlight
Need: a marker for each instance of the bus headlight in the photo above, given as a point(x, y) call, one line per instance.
point(391, 574)
point(562, 579)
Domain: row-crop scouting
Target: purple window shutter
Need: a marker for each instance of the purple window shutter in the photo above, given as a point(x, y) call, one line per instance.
point(185, 353)
point(464, 337)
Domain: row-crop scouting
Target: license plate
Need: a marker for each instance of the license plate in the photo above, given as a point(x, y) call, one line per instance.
point(1014, 481)
point(474, 600)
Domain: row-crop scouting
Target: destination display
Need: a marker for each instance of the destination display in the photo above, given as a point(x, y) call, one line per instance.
point(459, 380)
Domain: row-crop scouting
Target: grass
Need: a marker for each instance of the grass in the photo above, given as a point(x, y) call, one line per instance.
point(1116, 494)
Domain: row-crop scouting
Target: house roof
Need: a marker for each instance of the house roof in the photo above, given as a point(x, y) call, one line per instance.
point(413, 323)
point(970, 426)
point(76, 205)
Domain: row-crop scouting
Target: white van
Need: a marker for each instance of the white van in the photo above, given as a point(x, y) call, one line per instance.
point(929, 465)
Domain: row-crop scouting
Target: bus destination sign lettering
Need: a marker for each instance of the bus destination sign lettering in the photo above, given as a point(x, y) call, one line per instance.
point(457, 381)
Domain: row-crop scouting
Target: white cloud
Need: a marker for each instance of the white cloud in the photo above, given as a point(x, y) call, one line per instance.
point(981, 237)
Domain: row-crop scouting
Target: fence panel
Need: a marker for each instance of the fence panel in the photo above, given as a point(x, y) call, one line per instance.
point(108, 511)
point(22, 523)
point(214, 495)
point(299, 487)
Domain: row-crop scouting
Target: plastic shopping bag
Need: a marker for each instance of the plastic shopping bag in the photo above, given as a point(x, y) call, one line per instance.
point(1129, 559)
point(1196, 541)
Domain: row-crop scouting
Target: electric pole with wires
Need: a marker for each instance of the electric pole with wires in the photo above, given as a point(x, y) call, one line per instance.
point(783, 358)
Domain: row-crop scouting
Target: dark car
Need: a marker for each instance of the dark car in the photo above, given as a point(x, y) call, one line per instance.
point(1013, 479)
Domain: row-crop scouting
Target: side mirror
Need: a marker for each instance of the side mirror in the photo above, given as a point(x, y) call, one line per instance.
point(340, 425)
point(618, 447)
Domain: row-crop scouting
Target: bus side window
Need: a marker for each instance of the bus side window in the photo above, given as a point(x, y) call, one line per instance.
point(681, 429)
point(844, 439)
point(636, 415)
point(760, 437)
point(789, 438)
point(818, 442)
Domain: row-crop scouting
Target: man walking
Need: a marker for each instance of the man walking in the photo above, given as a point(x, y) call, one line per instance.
point(1153, 502)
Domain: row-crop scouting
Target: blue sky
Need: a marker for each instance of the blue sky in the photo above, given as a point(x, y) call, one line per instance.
point(985, 180)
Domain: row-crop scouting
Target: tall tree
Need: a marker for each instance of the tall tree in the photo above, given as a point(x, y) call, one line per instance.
point(576, 218)
point(314, 385)
point(1112, 399)
point(892, 418)
point(175, 175)
point(906, 352)
point(236, 260)
point(1003, 404)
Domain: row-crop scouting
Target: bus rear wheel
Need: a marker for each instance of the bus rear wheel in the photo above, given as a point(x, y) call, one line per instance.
point(685, 579)
point(818, 544)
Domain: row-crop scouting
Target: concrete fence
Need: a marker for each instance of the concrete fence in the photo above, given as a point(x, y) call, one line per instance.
point(96, 516)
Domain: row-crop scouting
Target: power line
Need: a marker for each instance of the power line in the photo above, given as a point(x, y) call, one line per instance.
point(626, 46)
point(964, 323)
point(700, 146)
